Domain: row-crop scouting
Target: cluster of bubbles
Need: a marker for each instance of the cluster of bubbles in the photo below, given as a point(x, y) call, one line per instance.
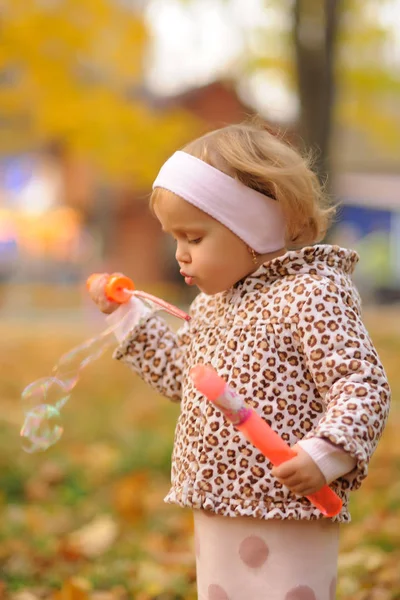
point(44, 398)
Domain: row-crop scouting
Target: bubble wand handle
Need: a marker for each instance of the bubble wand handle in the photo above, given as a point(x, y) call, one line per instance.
point(120, 288)
point(256, 430)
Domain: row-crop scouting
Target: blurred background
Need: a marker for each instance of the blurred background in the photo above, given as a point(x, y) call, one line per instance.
point(94, 97)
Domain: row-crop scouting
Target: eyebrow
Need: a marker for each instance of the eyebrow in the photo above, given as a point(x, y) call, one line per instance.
point(197, 229)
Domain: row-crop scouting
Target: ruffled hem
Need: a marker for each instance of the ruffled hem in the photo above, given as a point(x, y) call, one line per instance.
point(231, 507)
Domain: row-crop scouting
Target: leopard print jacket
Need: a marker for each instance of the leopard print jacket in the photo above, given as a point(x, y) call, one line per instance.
point(290, 340)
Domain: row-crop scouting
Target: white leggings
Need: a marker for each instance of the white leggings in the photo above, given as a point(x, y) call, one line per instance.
point(242, 558)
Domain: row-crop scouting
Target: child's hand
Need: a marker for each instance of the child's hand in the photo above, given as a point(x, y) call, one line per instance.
point(96, 292)
point(300, 474)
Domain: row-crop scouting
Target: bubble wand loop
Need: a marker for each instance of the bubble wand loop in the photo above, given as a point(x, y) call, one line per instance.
point(256, 430)
point(120, 288)
point(45, 397)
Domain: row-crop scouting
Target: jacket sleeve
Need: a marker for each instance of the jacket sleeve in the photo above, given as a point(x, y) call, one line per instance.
point(332, 460)
point(157, 354)
point(348, 374)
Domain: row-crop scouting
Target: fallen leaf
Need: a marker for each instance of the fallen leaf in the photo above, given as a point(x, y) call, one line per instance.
point(152, 577)
point(100, 459)
point(24, 595)
point(94, 539)
point(36, 490)
point(68, 551)
point(366, 558)
point(51, 473)
point(75, 588)
point(117, 592)
point(129, 496)
point(103, 595)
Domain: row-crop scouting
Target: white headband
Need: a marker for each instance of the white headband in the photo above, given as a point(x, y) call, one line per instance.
point(253, 217)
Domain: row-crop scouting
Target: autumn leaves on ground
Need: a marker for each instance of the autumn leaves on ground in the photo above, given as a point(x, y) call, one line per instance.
point(86, 519)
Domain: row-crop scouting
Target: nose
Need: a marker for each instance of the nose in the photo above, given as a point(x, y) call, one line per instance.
point(182, 255)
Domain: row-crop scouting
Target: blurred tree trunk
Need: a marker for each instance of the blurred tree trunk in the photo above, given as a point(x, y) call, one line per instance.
point(315, 28)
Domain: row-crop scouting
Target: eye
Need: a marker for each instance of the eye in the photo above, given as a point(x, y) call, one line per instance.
point(195, 241)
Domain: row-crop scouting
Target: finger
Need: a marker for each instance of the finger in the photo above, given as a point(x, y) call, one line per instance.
point(286, 469)
point(97, 293)
point(306, 487)
point(97, 288)
point(108, 307)
point(105, 304)
point(299, 490)
point(303, 491)
point(293, 480)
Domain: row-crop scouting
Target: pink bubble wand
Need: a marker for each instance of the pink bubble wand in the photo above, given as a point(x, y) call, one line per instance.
point(120, 289)
point(256, 430)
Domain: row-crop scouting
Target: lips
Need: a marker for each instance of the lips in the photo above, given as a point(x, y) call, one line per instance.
point(188, 278)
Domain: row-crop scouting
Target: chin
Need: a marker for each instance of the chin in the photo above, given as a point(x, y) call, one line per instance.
point(210, 291)
point(218, 286)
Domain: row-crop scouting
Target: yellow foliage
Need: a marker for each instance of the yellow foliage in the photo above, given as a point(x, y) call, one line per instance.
point(72, 66)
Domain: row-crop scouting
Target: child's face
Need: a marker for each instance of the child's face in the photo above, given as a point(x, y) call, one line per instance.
point(209, 255)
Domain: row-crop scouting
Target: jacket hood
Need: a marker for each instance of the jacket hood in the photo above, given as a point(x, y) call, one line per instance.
point(320, 261)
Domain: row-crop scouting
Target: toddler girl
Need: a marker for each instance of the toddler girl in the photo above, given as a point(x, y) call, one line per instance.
point(279, 319)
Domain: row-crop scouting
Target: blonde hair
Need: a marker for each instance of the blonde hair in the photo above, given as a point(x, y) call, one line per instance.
point(252, 154)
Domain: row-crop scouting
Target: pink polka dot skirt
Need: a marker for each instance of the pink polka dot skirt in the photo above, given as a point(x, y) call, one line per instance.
point(242, 557)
